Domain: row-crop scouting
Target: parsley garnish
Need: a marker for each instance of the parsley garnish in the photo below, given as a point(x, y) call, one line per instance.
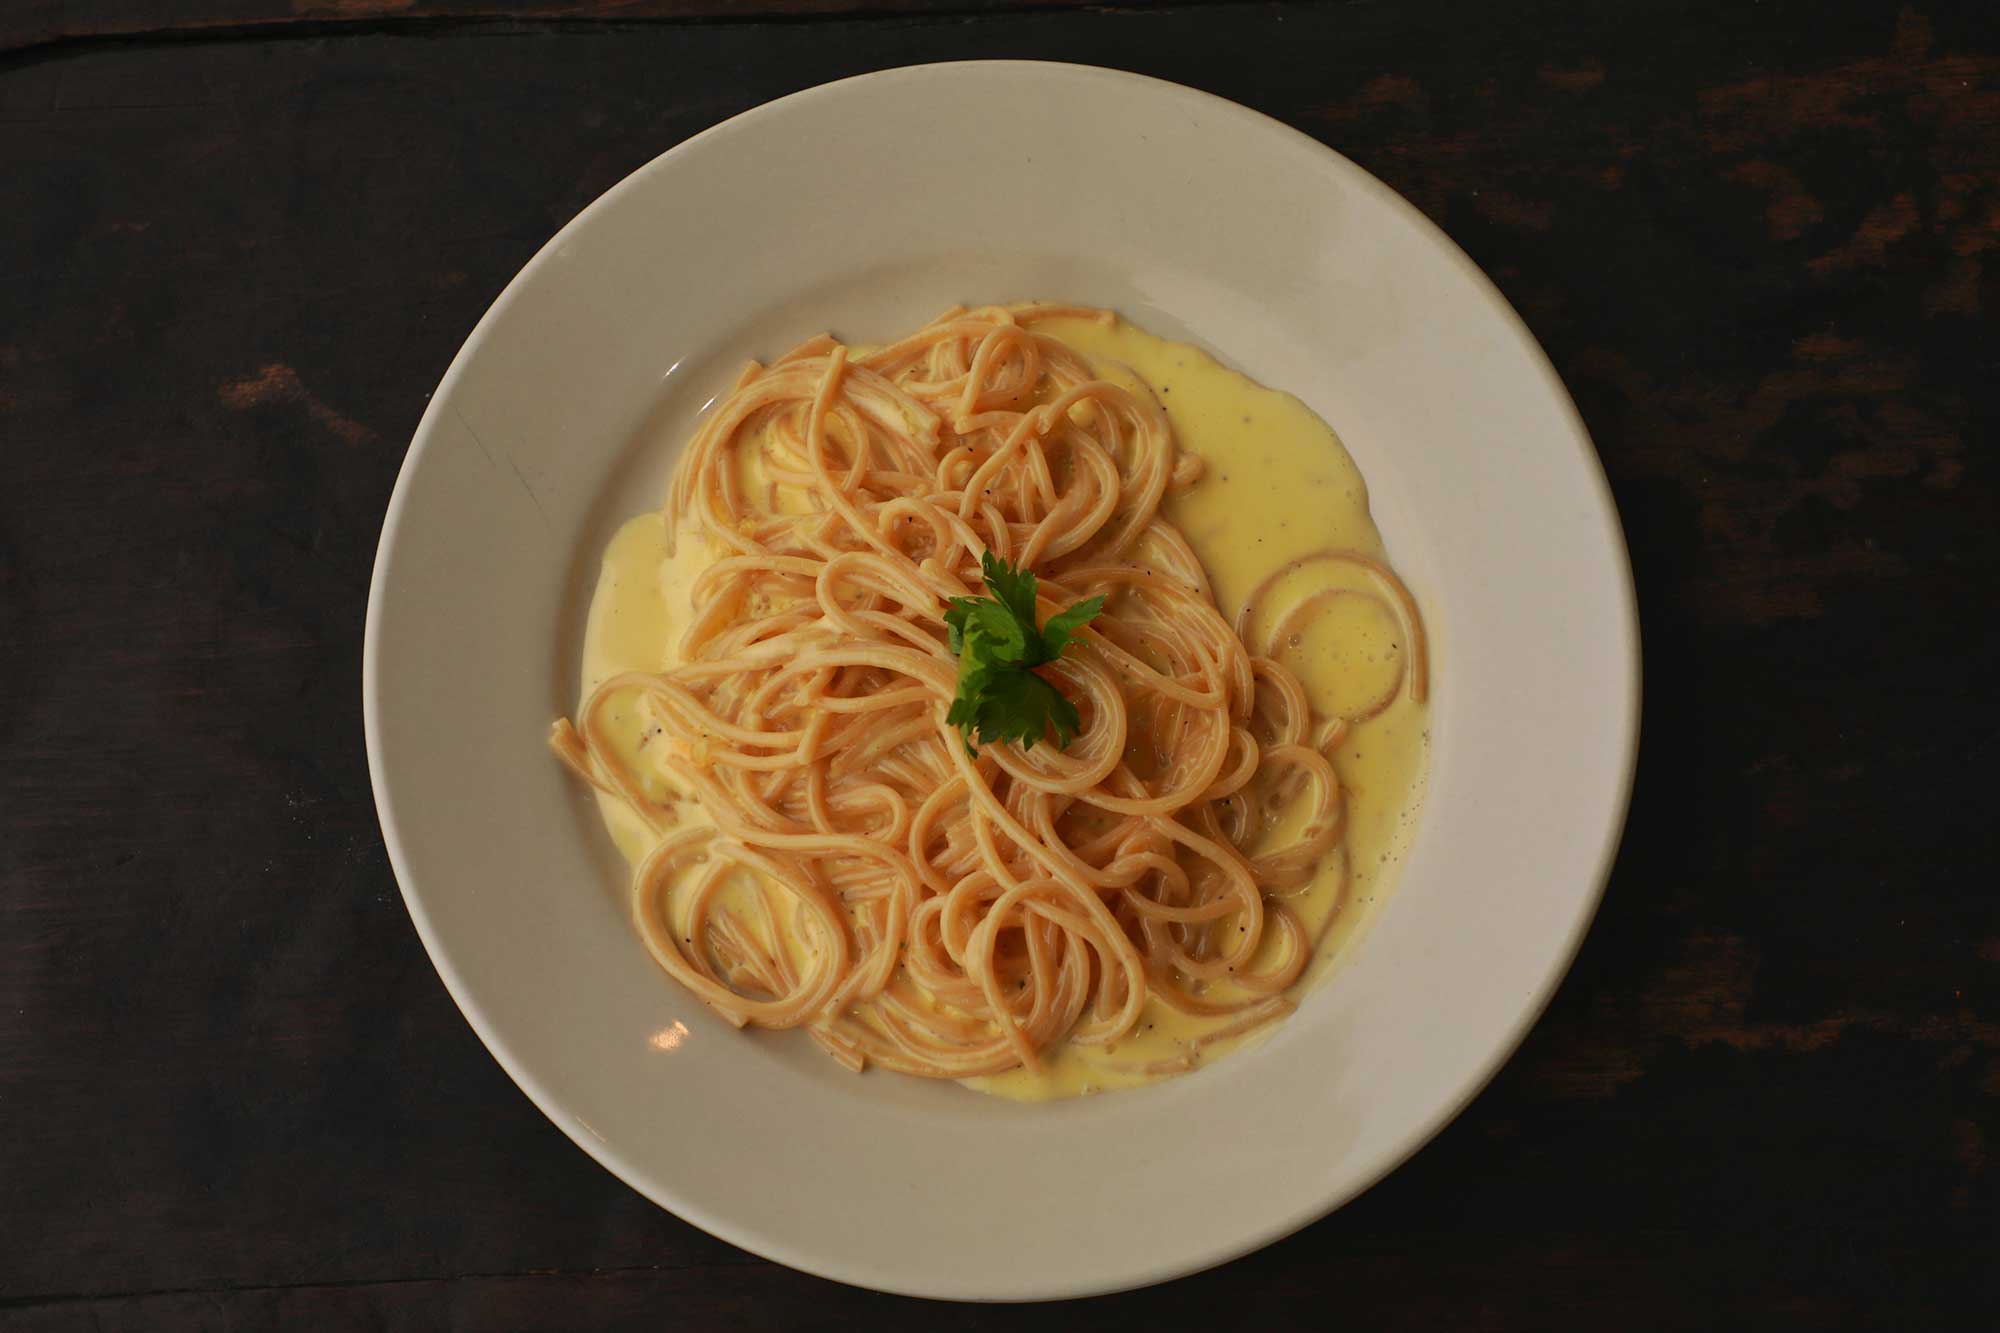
point(1000, 698)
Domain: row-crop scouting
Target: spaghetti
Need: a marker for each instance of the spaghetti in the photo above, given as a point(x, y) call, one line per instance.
point(856, 870)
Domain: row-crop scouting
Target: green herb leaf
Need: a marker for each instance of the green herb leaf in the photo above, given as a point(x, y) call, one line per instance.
point(1007, 639)
point(1064, 624)
point(1000, 698)
point(1018, 705)
point(1015, 590)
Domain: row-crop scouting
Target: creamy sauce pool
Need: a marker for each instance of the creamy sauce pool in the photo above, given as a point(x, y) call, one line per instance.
point(1277, 485)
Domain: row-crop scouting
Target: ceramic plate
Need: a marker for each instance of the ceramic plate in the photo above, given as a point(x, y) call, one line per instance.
point(866, 206)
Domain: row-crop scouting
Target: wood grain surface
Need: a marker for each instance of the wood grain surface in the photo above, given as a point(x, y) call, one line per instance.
point(240, 240)
point(27, 23)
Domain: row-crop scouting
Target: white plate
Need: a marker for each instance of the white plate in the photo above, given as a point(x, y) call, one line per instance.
point(867, 206)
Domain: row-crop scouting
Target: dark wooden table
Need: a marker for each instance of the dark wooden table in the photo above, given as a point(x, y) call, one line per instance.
point(241, 239)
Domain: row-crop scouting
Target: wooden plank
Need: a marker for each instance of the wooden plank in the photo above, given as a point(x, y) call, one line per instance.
point(1384, 1285)
point(39, 22)
point(1762, 248)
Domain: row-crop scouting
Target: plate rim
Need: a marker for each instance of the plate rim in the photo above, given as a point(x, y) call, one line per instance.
point(1240, 1242)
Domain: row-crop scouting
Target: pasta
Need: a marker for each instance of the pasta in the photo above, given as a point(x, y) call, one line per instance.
point(834, 855)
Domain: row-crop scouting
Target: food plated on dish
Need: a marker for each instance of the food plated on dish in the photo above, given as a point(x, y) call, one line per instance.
point(565, 517)
point(1025, 700)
